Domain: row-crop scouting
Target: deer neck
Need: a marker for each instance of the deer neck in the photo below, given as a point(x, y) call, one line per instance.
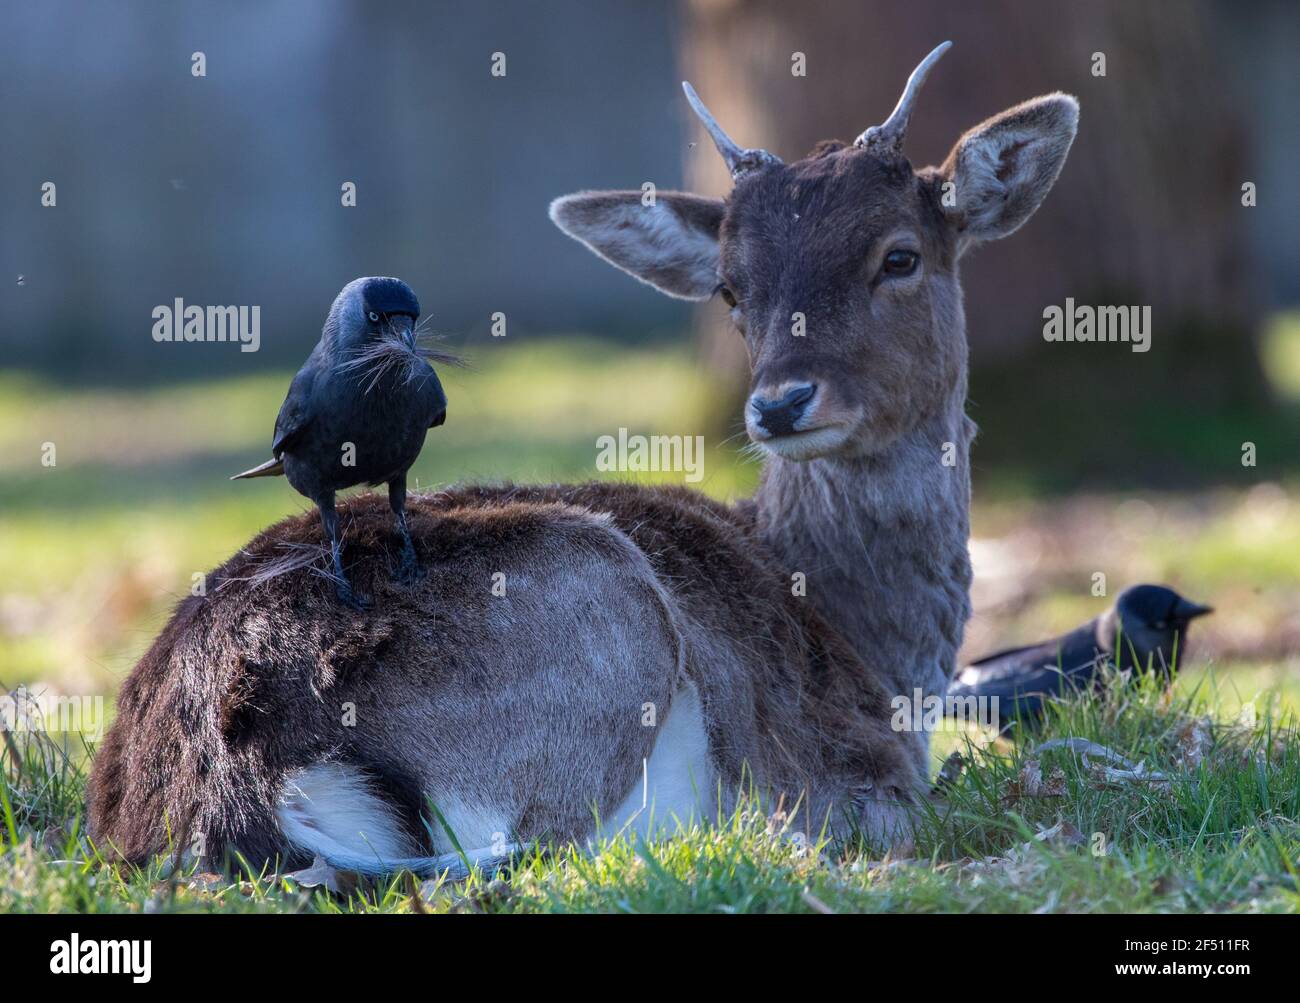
point(881, 541)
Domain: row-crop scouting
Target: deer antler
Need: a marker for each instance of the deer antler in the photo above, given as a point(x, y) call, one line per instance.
point(888, 136)
point(738, 160)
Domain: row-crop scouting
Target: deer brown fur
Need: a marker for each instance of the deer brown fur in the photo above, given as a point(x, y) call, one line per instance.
point(251, 683)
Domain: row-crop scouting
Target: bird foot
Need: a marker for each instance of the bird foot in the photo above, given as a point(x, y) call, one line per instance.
point(410, 570)
point(350, 598)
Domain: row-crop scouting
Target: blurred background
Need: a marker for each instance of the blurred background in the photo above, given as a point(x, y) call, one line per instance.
point(225, 189)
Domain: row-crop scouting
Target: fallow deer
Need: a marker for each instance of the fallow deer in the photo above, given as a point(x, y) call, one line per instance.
point(640, 629)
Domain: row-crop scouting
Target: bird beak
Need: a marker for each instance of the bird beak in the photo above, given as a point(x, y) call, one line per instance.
point(1188, 610)
point(404, 328)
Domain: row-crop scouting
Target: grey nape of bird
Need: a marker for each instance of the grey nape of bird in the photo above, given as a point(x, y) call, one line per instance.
point(358, 410)
point(1148, 622)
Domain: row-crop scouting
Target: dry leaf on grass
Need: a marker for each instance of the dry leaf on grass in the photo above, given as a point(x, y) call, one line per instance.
point(1109, 776)
point(492, 897)
point(1085, 748)
point(1102, 773)
point(1064, 833)
point(206, 882)
point(1258, 755)
point(1195, 739)
point(1031, 784)
point(322, 875)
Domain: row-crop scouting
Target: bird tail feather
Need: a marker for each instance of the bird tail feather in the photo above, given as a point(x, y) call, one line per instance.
point(271, 468)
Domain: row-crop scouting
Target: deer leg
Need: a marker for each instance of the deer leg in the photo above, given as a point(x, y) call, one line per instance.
point(409, 571)
point(342, 586)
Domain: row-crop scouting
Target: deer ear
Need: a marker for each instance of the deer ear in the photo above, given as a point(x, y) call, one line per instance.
point(1002, 169)
point(672, 243)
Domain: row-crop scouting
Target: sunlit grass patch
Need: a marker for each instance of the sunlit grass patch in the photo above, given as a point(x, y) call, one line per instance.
point(1209, 824)
point(1280, 351)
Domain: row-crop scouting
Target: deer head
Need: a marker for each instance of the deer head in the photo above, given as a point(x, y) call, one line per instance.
point(839, 269)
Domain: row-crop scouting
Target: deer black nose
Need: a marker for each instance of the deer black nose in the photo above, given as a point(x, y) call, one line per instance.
point(779, 417)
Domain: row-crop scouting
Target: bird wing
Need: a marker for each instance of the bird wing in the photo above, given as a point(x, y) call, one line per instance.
point(1011, 668)
point(996, 662)
point(296, 412)
point(1034, 669)
point(1018, 680)
point(437, 399)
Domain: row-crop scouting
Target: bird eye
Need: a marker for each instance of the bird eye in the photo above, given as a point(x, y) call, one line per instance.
point(727, 295)
point(899, 263)
point(374, 317)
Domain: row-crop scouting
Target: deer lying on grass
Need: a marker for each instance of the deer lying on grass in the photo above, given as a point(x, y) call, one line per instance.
point(637, 623)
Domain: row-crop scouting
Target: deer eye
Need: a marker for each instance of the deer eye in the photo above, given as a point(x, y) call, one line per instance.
point(899, 263)
point(374, 317)
point(727, 295)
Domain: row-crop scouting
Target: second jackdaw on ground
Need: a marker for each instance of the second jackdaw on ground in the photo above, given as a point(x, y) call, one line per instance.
point(1148, 623)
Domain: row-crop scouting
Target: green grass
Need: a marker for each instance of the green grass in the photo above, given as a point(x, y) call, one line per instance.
point(1220, 835)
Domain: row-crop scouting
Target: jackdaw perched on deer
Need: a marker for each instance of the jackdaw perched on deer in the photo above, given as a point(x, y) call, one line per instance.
point(358, 410)
point(651, 650)
point(1148, 624)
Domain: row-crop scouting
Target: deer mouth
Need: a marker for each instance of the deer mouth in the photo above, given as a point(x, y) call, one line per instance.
point(805, 443)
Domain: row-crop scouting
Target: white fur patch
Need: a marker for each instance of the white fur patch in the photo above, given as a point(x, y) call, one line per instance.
point(678, 779)
point(330, 810)
point(471, 824)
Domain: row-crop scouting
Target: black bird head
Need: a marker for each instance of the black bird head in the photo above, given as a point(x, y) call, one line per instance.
point(372, 309)
point(371, 330)
point(1153, 623)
